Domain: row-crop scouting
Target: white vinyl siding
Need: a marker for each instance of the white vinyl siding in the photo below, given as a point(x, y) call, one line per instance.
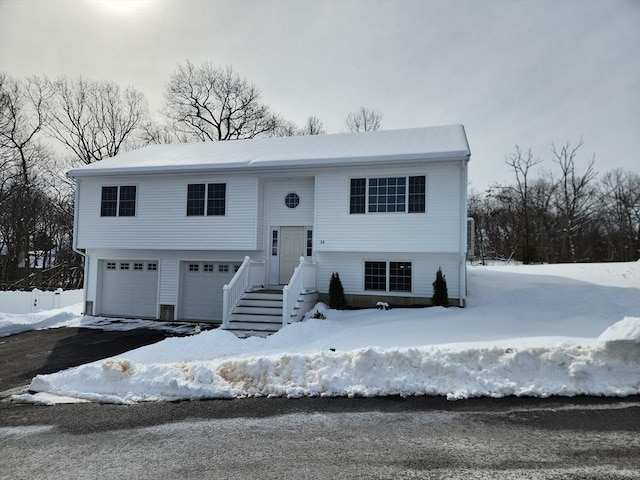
point(435, 230)
point(276, 210)
point(161, 222)
point(351, 268)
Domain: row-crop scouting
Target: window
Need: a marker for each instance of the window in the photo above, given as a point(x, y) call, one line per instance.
point(152, 267)
point(375, 276)
point(138, 266)
point(274, 243)
point(111, 265)
point(292, 200)
point(417, 194)
point(109, 205)
point(388, 276)
point(309, 243)
point(387, 194)
point(124, 266)
point(212, 195)
point(208, 267)
point(358, 195)
point(194, 267)
point(391, 194)
point(195, 199)
point(223, 268)
point(118, 201)
point(216, 198)
point(400, 276)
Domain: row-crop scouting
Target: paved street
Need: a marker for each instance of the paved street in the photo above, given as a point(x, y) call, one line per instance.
point(379, 438)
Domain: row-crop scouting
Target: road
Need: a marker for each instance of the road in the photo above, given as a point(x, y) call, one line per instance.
point(320, 438)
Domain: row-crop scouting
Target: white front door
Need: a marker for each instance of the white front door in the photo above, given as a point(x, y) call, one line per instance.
point(291, 249)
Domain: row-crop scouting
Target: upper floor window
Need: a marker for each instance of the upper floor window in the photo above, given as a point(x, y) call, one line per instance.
point(390, 194)
point(387, 194)
point(118, 201)
point(209, 198)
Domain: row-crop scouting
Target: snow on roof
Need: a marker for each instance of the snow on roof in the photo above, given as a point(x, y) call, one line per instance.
point(431, 143)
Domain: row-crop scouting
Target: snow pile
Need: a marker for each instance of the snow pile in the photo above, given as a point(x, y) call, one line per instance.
point(534, 331)
point(71, 316)
point(12, 323)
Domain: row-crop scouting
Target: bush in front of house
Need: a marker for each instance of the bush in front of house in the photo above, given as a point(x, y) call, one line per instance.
point(336, 293)
point(440, 294)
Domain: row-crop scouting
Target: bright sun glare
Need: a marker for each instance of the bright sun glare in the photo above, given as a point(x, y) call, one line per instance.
point(122, 7)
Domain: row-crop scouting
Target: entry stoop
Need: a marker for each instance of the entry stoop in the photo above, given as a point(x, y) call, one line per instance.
point(258, 313)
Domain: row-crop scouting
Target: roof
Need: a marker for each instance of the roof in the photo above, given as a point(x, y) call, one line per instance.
point(430, 143)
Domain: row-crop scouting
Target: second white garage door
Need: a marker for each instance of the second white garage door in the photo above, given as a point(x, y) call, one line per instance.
point(201, 289)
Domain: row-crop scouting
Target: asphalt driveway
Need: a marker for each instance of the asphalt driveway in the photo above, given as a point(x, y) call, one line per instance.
point(25, 355)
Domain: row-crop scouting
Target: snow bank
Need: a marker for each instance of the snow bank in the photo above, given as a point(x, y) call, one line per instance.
point(609, 366)
point(539, 331)
point(11, 323)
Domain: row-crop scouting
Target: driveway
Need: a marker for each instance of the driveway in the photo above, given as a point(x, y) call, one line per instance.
point(25, 355)
point(376, 438)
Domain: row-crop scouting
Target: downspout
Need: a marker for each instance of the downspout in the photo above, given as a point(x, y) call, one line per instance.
point(75, 248)
point(463, 232)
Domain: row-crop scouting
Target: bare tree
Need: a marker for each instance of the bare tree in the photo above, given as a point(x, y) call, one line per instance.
point(22, 157)
point(211, 103)
point(313, 126)
point(95, 119)
point(618, 214)
point(575, 197)
point(521, 163)
point(363, 120)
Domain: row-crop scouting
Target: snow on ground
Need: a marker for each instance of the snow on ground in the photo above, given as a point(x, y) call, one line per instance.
point(71, 316)
point(528, 330)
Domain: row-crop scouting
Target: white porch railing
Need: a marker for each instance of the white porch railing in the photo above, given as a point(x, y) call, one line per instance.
point(303, 280)
point(251, 274)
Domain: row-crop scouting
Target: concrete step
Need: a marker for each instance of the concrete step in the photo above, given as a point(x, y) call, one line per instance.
point(247, 317)
point(262, 296)
point(258, 326)
point(247, 302)
point(253, 310)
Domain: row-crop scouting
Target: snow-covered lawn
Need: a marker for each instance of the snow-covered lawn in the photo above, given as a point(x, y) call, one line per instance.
point(527, 330)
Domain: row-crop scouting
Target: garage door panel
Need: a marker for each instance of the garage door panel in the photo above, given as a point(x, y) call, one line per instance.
point(202, 289)
point(129, 288)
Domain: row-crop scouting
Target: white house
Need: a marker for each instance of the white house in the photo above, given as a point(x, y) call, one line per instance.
point(187, 231)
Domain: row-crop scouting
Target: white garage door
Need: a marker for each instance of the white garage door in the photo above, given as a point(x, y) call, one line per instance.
point(129, 288)
point(202, 284)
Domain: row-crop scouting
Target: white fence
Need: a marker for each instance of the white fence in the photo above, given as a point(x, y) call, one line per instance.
point(37, 300)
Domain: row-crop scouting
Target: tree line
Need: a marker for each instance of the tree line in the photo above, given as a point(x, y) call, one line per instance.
point(49, 125)
point(572, 215)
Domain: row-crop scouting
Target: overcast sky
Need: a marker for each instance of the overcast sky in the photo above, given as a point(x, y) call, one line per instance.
point(513, 72)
